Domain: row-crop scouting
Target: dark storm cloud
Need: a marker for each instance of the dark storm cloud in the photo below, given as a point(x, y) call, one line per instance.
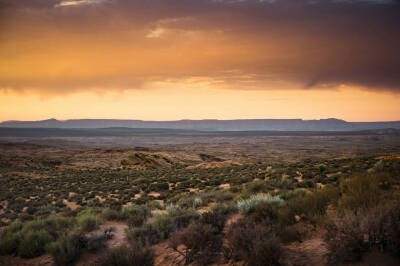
point(311, 43)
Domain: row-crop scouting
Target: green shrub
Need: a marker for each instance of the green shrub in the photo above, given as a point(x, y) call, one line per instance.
point(33, 243)
point(110, 214)
point(182, 217)
point(66, 250)
point(163, 224)
point(135, 220)
point(134, 210)
point(247, 205)
point(136, 255)
point(297, 193)
point(96, 242)
point(313, 204)
point(9, 242)
point(224, 209)
point(145, 234)
point(360, 193)
point(88, 221)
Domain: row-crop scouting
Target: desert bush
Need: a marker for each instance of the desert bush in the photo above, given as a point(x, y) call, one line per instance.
point(200, 241)
point(190, 202)
point(154, 205)
point(360, 193)
point(135, 220)
point(182, 217)
point(222, 196)
point(96, 242)
point(135, 255)
point(9, 242)
point(255, 244)
point(33, 243)
point(263, 212)
point(297, 193)
point(135, 210)
point(56, 224)
point(67, 249)
point(354, 233)
point(247, 205)
point(215, 219)
point(224, 209)
point(88, 221)
point(313, 204)
point(110, 214)
point(346, 239)
point(146, 234)
point(163, 224)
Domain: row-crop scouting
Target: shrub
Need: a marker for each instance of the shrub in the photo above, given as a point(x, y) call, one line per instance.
point(255, 244)
point(315, 203)
point(67, 248)
point(197, 202)
point(88, 221)
point(110, 214)
point(200, 242)
point(136, 255)
point(224, 209)
point(9, 242)
point(264, 212)
point(354, 233)
point(190, 202)
point(33, 244)
point(215, 219)
point(360, 193)
point(249, 204)
point(345, 239)
point(135, 220)
point(297, 193)
point(182, 217)
point(145, 234)
point(96, 242)
point(135, 210)
point(163, 224)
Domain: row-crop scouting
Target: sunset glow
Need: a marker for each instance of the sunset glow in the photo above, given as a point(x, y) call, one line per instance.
point(200, 59)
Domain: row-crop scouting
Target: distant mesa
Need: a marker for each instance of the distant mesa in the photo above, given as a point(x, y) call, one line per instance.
point(330, 124)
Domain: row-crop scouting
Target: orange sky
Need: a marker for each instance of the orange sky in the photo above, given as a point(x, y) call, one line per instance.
point(202, 102)
point(200, 59)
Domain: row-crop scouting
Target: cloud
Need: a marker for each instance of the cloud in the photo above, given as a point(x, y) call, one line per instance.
point(65, 46)
point(77, 3)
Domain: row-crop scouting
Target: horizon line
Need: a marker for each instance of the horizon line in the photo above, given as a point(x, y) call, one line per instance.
point(204, 119)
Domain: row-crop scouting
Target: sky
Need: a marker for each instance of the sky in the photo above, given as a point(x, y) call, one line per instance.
point(200, 59)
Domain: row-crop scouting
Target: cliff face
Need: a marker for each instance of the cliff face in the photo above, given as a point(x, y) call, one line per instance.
point(211, 125)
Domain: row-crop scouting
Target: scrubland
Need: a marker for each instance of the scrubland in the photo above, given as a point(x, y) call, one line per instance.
point(327, 202)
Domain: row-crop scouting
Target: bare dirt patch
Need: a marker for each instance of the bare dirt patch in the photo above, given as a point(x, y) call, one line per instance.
point(312, 252)
point(72, 205)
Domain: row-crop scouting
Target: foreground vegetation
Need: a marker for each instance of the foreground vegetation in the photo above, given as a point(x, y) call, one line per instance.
point(251, 212)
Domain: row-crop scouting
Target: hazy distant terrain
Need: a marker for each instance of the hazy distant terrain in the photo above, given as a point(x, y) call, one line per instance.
point(331, 124)
point(126, 132)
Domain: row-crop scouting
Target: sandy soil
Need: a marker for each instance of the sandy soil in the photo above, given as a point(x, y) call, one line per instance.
point(312, 252)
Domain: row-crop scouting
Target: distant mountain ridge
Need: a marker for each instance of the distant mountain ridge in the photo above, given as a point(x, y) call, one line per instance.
point(330, 124)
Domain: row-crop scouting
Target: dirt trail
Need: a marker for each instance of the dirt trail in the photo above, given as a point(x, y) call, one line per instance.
point(310, 252)
point(44, 260)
